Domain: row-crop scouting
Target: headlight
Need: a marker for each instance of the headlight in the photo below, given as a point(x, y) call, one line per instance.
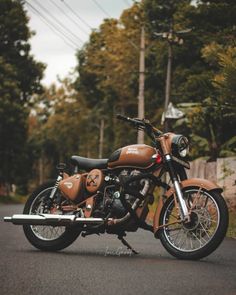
point(180, 146)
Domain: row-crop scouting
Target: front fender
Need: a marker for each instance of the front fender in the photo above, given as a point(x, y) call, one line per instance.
point(192, 182)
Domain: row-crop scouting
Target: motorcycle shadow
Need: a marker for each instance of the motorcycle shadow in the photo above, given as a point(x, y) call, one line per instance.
point(123, 254)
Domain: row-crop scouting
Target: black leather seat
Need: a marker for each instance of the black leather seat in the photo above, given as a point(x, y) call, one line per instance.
point(89, 164)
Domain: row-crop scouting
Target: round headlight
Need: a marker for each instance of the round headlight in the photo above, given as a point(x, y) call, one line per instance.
point(180, 145)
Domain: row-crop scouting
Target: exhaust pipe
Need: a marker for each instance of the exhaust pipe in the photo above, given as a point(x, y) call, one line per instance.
point(51, 219)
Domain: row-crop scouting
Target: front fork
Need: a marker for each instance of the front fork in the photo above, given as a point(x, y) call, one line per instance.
point(184, 212)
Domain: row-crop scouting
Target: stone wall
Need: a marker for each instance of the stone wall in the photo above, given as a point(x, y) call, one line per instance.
point(222, 172)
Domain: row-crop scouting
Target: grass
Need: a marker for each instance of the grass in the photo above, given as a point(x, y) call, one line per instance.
point(16, 199)
point(232, 225)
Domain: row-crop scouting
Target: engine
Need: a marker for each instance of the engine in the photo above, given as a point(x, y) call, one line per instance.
point(110, 202)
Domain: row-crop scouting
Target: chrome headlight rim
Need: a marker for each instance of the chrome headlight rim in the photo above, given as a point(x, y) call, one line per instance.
point(180, 146)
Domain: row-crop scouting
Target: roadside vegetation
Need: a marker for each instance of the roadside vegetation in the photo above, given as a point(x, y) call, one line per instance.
point(40, 127)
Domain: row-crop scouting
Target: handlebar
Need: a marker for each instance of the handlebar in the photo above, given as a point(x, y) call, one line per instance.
point(123, 118)
point(141, 124)
point(130, 120)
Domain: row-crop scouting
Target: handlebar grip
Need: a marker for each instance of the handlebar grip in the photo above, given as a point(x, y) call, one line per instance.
point(121, 117)
point(135, 122)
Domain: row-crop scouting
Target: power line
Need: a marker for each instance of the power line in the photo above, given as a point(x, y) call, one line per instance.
point(101, 8)
point(71, 19)
point(52, 26)
point(77, 15)
point(54, 31)
point(58, 22)
point(107, 14)
point(127, 2)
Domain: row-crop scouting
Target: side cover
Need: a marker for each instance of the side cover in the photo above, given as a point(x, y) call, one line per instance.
point(73, 187)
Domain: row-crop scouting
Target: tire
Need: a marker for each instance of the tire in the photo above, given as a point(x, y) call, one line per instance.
point(47, 238)
point(206, 229)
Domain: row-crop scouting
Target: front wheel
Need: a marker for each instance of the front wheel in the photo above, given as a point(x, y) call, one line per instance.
point(47, 238)
point(206, 229)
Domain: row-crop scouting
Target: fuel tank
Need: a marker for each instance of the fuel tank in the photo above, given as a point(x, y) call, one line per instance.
point(136, 156)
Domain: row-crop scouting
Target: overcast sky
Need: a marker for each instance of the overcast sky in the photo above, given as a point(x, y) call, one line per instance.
point(61, 26)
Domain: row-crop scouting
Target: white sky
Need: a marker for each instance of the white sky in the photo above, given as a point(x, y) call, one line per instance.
point(48, 47)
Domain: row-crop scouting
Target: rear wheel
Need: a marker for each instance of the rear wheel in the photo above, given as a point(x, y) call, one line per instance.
point(206, 229)
point(47, 238)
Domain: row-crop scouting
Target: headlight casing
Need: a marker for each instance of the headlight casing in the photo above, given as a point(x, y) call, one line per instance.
point(180, 146)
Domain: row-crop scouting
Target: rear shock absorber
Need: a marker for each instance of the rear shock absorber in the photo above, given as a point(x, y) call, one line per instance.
point(60, 167)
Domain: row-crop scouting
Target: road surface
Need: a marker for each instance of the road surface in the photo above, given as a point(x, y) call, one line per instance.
point(102, 265)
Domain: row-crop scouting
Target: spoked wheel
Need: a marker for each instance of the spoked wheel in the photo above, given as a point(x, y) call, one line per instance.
point(206, 229)
point(48, 238)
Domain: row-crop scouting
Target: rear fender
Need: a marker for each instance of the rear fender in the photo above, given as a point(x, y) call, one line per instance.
point(192, 182)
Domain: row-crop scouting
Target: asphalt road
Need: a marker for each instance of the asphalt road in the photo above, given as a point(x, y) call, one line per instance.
point(102, 265)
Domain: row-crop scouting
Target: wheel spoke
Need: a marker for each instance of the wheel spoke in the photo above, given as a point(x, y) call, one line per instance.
point(44, 232)
point(202, 226)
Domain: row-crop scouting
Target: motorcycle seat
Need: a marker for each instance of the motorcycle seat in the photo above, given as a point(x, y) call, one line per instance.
point(89, 164)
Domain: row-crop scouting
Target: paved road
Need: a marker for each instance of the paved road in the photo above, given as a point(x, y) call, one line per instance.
point(101, 265)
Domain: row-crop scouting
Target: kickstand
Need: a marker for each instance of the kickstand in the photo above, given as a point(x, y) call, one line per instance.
point(124, 242)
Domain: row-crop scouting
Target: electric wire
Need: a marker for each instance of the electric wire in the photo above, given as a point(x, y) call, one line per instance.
point(66, 29)
point(58, 22)
point(77, 15)
point(127, 2)
point(52, 26)
point(102, 9)
point(71, 19)
point(107, 14)
point(72, 46)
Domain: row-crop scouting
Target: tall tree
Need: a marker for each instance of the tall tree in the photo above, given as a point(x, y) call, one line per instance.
point(108, 74)
point(20, 76)
point(58, 128)
point(217, 112)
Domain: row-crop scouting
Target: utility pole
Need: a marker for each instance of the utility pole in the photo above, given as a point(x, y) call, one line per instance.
point(172, 38)
point(141, 105)
point(41, 169)
point(101, 138)
point(168, 83)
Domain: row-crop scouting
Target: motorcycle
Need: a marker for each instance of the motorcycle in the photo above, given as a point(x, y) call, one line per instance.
point(115, 195)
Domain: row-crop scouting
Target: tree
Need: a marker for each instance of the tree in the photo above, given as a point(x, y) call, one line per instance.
point(195, 79)
point(108, 75)
point(217, 112)
point(58, 128)
point(20, 76)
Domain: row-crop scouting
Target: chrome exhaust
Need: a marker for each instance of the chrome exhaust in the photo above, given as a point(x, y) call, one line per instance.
point(51, 219)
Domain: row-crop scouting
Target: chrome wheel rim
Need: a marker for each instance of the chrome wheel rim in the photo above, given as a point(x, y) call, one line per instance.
point(204, 222)
point(44, 232)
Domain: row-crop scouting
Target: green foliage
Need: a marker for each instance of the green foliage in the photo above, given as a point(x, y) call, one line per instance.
point(57, 127)
point(223, 58)
point(217, 114)
point(20, 75)
point(108, 65)
point(108, 72)
point(203, 70)
point(66, 120)
point(231, 232)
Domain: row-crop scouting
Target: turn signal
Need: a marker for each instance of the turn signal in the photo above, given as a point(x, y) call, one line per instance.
point(157, 158)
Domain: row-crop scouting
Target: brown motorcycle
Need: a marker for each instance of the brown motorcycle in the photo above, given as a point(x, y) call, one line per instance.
point(114, 196)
